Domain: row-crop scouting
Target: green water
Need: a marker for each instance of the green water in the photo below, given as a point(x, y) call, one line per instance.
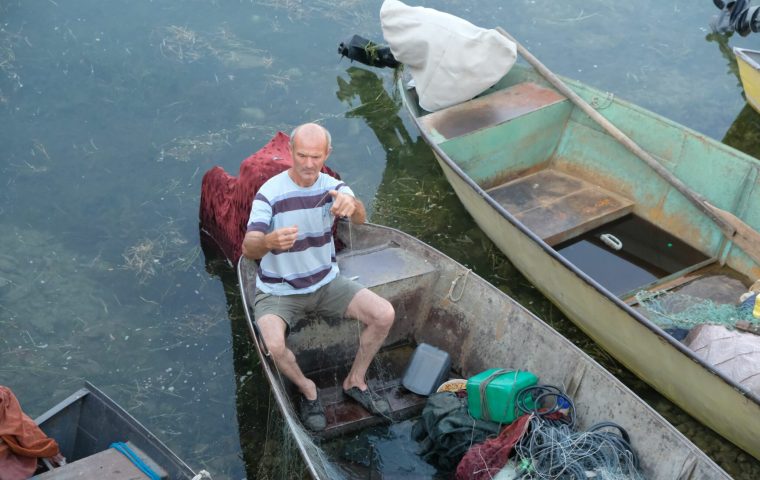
point(112, 111)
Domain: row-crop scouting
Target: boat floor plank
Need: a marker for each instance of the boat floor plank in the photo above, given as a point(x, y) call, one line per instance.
point(557, 206)
point(344, 415)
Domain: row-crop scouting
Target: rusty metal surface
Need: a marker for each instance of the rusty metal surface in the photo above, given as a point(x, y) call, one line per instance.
point(557, 206)
point(490, 110)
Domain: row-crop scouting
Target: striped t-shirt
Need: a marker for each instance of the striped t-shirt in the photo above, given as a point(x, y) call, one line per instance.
point(310, 262)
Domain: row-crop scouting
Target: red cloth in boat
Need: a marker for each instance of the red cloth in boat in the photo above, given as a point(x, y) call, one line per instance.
point(22, 441)
point(226, 200)
point(484, 460)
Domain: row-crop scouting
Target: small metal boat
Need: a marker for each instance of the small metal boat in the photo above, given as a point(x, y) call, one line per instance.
point(87, 423)
point(441, 303)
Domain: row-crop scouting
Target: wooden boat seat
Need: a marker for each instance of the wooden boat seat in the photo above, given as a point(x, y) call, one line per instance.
point(109, 464)
point(557, 206)
point(489, 110)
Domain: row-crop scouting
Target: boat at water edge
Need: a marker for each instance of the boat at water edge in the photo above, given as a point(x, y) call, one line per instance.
point(749, 72)
point(591, 224)
point(87, 423)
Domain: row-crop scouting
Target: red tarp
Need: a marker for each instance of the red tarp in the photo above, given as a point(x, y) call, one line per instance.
point(21, 440)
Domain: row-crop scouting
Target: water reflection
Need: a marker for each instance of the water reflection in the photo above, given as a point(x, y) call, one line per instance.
point(744, 132)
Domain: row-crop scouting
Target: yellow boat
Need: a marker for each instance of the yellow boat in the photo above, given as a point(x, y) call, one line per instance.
point(749, 71)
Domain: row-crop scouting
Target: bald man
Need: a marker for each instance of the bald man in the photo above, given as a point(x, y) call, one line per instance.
point(290, 230)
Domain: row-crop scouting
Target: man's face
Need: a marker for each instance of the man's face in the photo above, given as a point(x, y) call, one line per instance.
point(309, 155)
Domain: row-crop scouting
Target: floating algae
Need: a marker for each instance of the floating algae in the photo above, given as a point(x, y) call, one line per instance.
point(201, 146)
point(187, 46)
point(167, 251)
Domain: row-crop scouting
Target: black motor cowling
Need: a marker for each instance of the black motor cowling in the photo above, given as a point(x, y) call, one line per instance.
point(367, 52)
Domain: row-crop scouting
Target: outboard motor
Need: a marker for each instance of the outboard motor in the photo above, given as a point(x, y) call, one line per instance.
point(736, 16)
point(367, 52)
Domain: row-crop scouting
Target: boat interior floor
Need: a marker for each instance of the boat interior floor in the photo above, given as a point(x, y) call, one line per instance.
point(344, 415)
point(557, 206)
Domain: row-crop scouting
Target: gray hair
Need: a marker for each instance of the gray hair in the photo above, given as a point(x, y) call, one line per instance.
point(293, 134)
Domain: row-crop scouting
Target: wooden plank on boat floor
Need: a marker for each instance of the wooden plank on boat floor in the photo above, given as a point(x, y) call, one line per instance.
point(557, 206)
point(345, 415)
point(110, 464)
point(489, 110)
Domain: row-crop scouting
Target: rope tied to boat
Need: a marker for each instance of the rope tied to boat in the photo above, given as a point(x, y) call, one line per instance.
point(450, 295)
point(135, 459)
point(601, 104)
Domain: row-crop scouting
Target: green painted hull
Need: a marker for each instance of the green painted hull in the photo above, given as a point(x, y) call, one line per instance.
point(557, 135)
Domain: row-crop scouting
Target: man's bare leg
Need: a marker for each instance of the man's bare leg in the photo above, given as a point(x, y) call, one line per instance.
point(272, 330)
point(377, 314)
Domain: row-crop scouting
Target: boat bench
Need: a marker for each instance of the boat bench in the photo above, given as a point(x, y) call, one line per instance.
point(109, 464)
point(557, 206)
point(488, 110)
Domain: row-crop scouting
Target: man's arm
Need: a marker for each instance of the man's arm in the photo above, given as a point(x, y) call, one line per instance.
point(257, 244)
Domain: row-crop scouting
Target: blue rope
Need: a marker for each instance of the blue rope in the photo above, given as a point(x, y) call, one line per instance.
point(132, 456)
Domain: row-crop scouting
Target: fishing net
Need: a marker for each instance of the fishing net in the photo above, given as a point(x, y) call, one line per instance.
point(547, 444)
point(680, 310)
point(554, 448)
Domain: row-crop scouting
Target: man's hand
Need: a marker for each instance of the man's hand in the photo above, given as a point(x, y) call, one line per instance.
point(343, 205)
point(282, 238)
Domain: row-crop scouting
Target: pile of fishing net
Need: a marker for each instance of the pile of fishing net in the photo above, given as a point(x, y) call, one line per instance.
point(545, 442)
point(671, 310)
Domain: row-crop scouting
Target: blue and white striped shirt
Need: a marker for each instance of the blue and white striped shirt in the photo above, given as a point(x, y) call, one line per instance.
point(310, 263)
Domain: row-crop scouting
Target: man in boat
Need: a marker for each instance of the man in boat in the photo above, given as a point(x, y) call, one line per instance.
point(290, 230)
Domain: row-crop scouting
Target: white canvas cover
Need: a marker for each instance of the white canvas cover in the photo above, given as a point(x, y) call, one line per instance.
point(450, 59)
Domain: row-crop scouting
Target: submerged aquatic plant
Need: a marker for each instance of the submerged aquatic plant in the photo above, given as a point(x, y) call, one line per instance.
point(187, 46)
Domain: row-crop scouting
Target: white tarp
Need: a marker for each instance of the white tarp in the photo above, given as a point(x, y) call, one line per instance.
point(735, 354)
point(450, 59)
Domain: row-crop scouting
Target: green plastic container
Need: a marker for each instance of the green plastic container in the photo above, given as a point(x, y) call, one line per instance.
point(501, 390)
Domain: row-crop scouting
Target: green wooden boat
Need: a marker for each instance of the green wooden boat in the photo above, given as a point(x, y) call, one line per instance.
point(558, 193)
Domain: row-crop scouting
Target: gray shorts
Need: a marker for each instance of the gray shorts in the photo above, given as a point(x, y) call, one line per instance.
point(330, 300)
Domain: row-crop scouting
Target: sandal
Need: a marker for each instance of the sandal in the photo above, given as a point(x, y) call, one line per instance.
point(312, 414)
point(372, 402)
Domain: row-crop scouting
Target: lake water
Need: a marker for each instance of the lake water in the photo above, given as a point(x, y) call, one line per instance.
point(112, 111)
